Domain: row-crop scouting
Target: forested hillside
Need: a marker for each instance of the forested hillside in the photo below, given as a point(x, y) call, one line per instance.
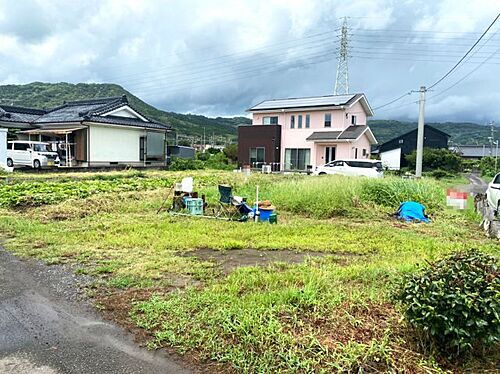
point(46, 95)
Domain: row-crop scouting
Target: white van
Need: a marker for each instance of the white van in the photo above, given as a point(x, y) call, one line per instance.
point(367, 168)
point(32, 154)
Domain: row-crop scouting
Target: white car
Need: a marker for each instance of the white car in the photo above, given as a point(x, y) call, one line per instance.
point(32, 154)
point(493, 194)
point(367, 168)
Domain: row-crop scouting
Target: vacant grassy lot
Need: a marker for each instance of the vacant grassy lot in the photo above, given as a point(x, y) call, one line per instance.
point(330, 313)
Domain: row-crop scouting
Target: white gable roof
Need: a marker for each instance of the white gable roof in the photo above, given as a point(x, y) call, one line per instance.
point(125, 111)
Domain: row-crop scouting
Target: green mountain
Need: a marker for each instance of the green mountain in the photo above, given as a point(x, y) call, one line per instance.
point(461, 132)
point(46, 95)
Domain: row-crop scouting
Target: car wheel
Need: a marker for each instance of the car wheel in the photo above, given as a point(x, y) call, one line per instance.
point(10, 163)
point(322, 173)
point(36, 164)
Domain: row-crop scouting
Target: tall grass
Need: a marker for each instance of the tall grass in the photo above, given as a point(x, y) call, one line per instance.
point(330, 196)
point(317, 197)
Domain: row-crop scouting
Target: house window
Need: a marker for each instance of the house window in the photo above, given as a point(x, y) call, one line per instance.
point(269, 120)
point(300, 121)
point(364, 152)
point(292, 122)
point(308, 121)
point(297, 158)
point(400, 141)
point(328, 120)
point(353, 120)
point(257, 156)
point(355, 153)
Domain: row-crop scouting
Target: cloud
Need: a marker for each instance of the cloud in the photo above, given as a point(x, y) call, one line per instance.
point(220, 57)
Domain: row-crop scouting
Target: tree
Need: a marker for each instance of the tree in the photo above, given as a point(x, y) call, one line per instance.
point(231, 152)
point(434, 159)
point(213, 151)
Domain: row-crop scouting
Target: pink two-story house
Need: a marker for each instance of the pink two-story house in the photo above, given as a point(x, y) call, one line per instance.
point(297, 133)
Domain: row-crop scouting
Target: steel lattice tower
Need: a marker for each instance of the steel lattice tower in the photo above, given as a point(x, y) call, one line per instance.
point(342, 79)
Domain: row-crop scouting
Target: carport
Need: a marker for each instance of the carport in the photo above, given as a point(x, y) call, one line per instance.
point(58, 132)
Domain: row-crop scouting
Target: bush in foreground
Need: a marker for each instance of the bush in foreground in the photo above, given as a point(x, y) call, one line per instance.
point(456, 301)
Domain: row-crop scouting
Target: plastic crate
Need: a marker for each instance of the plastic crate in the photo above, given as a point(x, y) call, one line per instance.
point(194, 206)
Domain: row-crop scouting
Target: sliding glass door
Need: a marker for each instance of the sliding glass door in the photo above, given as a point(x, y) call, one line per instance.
point(297, 158)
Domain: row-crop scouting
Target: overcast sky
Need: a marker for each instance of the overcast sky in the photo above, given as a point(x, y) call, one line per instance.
point(219, 57)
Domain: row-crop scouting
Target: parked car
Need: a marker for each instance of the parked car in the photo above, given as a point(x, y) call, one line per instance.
point(32, 154)
point(367, 168)
point(493, 194)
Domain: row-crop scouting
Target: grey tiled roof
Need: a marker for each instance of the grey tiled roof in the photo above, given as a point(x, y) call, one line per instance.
point(472, 150)
point(351, 133)
point(10, 113)
point(324, 135)
point(306, 102)
point(77, 110)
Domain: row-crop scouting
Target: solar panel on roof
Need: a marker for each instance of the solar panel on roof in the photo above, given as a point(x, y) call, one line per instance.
point(333, 100)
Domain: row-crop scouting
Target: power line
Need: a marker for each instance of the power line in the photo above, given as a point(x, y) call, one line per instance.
point(419, 31)
point(225, 64)
point(372, 57)
point(393, 101)
point(465, 76)
point(324, 36)
point(466, 54)
point(255, 71)
point(242, 69)
point(385, 41)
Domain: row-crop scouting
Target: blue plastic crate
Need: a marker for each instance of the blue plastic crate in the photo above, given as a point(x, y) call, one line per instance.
point(194, 206)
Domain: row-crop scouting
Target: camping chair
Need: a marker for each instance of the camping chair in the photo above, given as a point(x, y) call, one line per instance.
point(228, 207)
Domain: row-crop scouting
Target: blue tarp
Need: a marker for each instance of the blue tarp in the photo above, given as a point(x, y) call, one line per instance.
point(412, 211)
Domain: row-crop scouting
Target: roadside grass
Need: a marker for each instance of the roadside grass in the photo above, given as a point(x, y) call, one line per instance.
point(324, 315)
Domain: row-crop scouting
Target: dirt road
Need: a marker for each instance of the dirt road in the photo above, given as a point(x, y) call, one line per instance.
point(46, 329)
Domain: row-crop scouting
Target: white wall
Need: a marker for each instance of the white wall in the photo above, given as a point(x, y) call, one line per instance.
point(123, 113)
point(3, 148)
point(391, 159)
point(114, 144)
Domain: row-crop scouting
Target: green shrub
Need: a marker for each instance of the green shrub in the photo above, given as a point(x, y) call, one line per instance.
point(186, 164)
point(440, 174)
point(487, 166)
point(433, 158)
point(455, 300)
point(231, 152)
point(219, 161)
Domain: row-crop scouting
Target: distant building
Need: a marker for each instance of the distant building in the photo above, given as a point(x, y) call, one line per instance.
point(294, 134)
point(392, 153)
point(473, 152)
point(180, 151)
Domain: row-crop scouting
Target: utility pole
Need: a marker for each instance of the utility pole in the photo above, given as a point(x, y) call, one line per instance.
point(492, 137)
point(342, 79)
point(420, 133)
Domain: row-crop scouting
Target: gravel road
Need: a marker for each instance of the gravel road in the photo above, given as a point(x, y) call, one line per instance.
point(47, 327)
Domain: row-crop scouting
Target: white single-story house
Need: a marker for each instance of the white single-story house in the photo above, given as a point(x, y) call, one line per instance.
point(94, 132)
